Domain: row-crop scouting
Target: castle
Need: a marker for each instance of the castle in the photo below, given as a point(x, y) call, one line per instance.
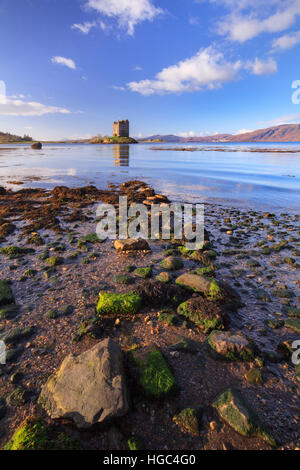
point(121, 129)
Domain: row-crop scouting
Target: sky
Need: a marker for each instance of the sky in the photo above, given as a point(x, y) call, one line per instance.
point(69, 68)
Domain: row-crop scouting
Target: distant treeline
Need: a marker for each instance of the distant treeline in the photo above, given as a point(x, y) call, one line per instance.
point(6, 137)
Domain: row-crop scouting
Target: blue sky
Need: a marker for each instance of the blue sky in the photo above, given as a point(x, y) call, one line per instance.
point(187, 67)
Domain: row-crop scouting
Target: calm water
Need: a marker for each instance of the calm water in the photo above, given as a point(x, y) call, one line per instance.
point(236, 176)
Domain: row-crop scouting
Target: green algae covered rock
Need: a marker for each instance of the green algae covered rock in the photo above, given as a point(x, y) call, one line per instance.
point(188, 421)
point(202, 284)
point(143, 272)
point(233, 409)
point(171, 263)
point(164, 277)
point(6, 295)
point(203, 312)
point(293, 324)
point(15, 251)
point(123, 279)
point(231, 346)
point(34, 434)
point(54, 260)
point(153, 373)
point(111, 303)
point(254, 376)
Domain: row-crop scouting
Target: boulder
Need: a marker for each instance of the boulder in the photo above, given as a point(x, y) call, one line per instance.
point(201, 284)
point(233, 409)
point(36, 146)
point(205, 313)
point(111, 303)
point(188, 421)
point(171, 263)
point(89, 388)
point(231, 346)
point(132, 245)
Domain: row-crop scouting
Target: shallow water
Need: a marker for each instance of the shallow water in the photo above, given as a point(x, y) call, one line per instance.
point(259, 176)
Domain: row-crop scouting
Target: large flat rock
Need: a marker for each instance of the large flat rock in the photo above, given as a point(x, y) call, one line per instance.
point(89, 388)
point(132, 245)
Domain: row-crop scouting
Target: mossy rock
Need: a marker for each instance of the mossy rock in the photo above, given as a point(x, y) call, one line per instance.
point(293, 312)
point(164, 277)
point(188, 421)
point(6, 295)
point(13, 335)
point(123, 279)
point(205, 313)
point(283, 293)
point(144, 273)
point(206, 271)
point(111, 303)
point(154, 376)
point(34, 434)
point(13, 252)
point(202, 284)
point(90, 238)
point(233, 409)
point(18, 397)
point(54, 261)
point(254, 376)
point(135, 443)
point(293, 324)
point(9, 311)
point(231, 346)
point(171, 263)
point(167, 318)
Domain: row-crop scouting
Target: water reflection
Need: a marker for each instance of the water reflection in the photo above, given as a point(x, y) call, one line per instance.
point(121, 155)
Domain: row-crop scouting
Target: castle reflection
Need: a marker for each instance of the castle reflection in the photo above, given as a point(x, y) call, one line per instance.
point(121, 155)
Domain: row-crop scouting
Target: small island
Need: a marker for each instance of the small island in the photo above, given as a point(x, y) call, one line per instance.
point(120, 135)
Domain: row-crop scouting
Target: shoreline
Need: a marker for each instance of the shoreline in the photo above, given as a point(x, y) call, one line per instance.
point(248, 250)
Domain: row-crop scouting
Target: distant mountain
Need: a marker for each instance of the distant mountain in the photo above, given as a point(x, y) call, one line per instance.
point(283, 133)
point(5, 137)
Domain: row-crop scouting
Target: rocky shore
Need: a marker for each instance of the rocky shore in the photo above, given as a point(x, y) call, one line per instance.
point(135, 344)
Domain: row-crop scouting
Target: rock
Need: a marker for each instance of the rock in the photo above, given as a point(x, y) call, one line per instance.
point(293, 324)
point(171, 263)
point(205, 313)
point(89, 388)
point(6, 295)
point(143, 272)
point(275, 324)
point(132, 245)
point(36, 146)
point(18, 397)
point(54, 261)
point(152, 372)
point(188, 421)
point(123, 279)
point(234, 411)
point(231, 346)
point(35, 434)
point(164, 277)
point(183, 345)
point(118, 304)
point(201, 284)
point(254, 376)
point(13, 335)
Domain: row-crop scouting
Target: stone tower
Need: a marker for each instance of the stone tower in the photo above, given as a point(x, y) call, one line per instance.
point(121, 129)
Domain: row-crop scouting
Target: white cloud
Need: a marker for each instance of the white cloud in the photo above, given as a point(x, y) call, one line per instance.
point(248, 19)
point(118, 88)
point(288, 119)
point(64, 61)
point(128, 13)
point(186, 134)
point(260, 67)
point(286, 42)
point(242, 131)
point(17, 107)
point(84, 28)
point(207, 69)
